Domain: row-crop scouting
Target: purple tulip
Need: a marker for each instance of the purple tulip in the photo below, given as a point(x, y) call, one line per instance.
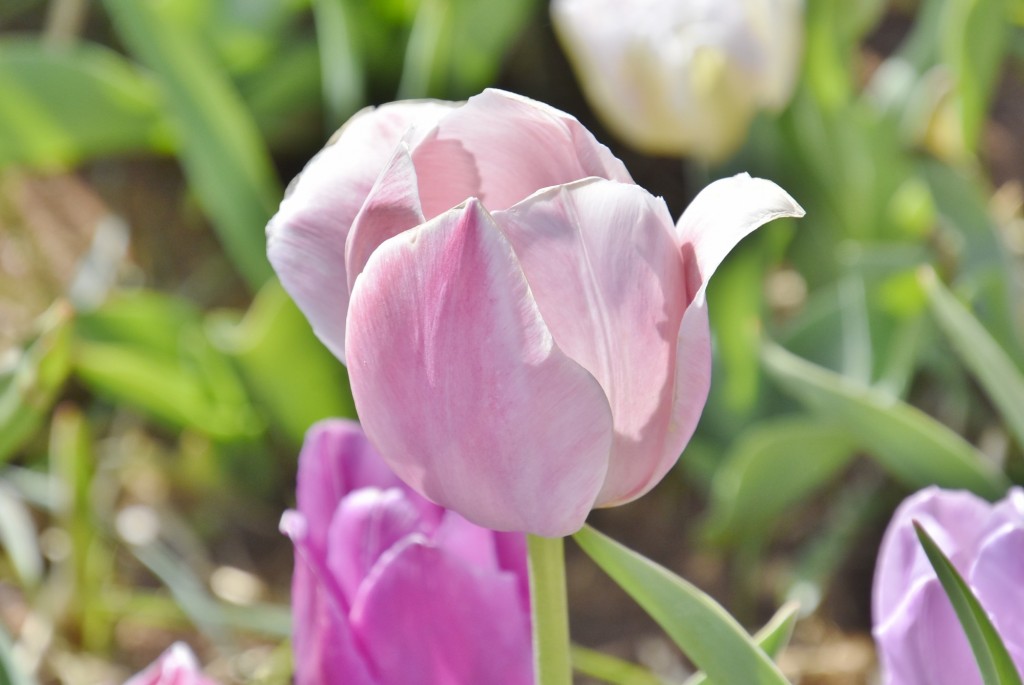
point(920, 641)
point(176, 666)
point(390, 589)
point(525, 328)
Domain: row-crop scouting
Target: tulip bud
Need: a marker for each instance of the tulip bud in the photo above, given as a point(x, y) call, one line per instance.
point(389, 588)
point(919, 638)
point(682, 77)
point(176, 666)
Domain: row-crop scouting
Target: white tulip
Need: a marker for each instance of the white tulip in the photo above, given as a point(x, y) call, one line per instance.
point(682, 77)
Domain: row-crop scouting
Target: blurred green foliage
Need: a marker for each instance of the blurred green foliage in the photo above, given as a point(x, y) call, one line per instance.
point(873, 347)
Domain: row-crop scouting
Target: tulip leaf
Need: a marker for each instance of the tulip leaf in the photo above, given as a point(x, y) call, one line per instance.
point(998, 375)
point(62, 106)
point(31, 389)
point(340, 62)
point(994, 661)
point(610, 669)
point(772, 638)
point(292, 375)
point(913, 447)
point(225, 160)
point(772, 466)
point(705, 632)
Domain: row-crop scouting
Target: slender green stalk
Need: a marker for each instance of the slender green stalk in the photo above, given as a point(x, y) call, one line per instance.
point(550, 608)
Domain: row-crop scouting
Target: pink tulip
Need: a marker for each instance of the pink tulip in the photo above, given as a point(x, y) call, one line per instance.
point(920, 641)
point(524, 327)
point(176, 666)
point(390, 589)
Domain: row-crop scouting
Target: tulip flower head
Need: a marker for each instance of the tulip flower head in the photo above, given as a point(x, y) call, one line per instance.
point(390, 589)
point(176, 666)
point(524, 327)
point(682, 77)
point(919, 639)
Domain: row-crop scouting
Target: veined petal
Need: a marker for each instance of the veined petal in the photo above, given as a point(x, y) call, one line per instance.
point(306, 238)
point(428, 619)
point(392, 206)
point(461, 386)
point(602, 263)
point(500, 148)
point(690, 388)
point(720, 216)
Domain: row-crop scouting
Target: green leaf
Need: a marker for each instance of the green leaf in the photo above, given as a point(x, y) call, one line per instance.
point(705, 632)
point(913, 447)
point(772, 638)
point(38, 376)
point(226, 162)
point(151, 351)
point(998, 375)
point(610, 669)
point(975, 39)
point(994, 661)
point(291, 374)
point(340, 61)
point(772, 466)
point(65, 105)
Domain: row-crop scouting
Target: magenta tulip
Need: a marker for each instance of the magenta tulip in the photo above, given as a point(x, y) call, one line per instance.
point(920, 641)
point(390, 589)
point(176, 666)
point(525, 329)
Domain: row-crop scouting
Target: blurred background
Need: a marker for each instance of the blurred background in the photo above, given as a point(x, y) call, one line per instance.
point(156, 381)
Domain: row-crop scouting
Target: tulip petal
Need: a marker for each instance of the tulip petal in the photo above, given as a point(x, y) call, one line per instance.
point(322, 640)
point(306, 238)
point(336, 458)
point(602, 262)
point(923, 644)
point(368, 522)
point(461, 386)
point(502, 147)
point(720, 216)
point(176, 666)
point(954, 519)
point(392, 206)
point(996, 580)
point(428, 619)
point(689, 395)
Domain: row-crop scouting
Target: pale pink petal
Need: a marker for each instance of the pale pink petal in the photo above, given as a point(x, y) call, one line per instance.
point(689, 394)
point(306, 238)
point(722, 215)
point(502, 147)
point(392, 206)
point(467, 541)
point(429, 619)
point(602, 262)
point(461, 386)
point(367, 524)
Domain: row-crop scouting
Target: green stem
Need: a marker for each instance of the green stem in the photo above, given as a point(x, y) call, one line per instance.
point(550, 609)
